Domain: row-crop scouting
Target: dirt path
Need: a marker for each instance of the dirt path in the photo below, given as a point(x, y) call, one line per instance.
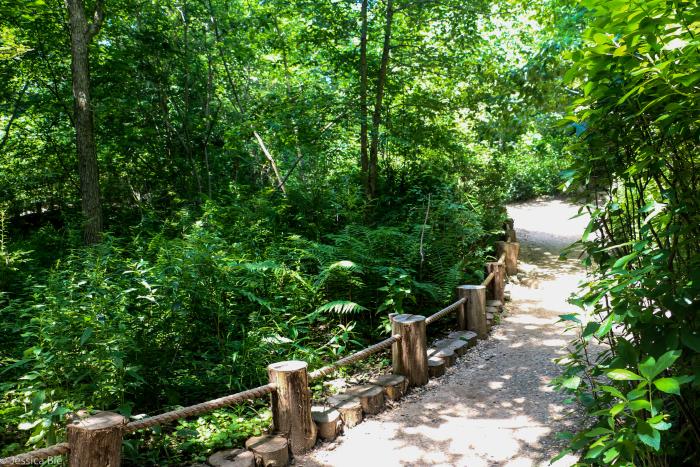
point(494, 408)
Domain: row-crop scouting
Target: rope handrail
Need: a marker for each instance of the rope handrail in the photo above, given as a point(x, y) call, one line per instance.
point(502, 259)
point(200, 408)
point(33, 457)
point(436, 316)
point(208, 406)
point(489, 278)
point(356, 357)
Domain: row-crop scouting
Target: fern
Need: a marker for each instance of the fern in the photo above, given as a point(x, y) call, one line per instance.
point(341, 307)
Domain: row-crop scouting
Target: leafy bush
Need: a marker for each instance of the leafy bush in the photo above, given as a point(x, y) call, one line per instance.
point(637, 118)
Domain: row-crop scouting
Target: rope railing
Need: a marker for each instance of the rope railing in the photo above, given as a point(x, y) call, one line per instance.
point(201, 408)
point(488, 279)
point(36, 456)
point(407, 361)
point(356, 357)
point(448, 309)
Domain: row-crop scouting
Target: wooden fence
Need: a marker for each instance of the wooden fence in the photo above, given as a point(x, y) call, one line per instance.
point(96, 440)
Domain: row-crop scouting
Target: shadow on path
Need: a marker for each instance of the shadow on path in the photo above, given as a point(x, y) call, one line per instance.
point(495, 407)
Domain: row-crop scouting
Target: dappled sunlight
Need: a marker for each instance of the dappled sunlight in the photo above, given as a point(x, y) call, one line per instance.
point(497, 406)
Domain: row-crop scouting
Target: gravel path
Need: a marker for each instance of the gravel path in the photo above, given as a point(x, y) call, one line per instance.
point(494, 407)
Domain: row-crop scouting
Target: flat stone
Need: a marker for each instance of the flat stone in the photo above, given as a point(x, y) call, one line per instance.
point(468, 336)
point(458, 346)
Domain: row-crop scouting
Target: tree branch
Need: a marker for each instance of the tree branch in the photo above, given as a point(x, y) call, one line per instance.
point(269, 157)
point(98, 18)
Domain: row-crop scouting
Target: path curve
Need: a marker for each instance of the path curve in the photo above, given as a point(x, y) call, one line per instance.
point(494, 408)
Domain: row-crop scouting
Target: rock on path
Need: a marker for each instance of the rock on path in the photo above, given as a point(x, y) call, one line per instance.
point(495, 407)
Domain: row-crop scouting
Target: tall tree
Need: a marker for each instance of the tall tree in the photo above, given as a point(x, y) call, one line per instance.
point(378, 100)
point(364, 159)
point(81, 34)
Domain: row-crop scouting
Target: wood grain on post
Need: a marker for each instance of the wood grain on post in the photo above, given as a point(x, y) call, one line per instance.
point(461, 311)
point(328, 421)
point(350, 409)
point(96, 441)
point(371, 397)
point(269, 450)
point(436, 367)
point(497, 285)
point(475, 308)
point(509, 227)
point(409, 355)
point(394, 385)
point(512, 250)
point(291, 404)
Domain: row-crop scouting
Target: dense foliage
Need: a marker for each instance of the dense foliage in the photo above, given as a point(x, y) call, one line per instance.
point(243, 224)
point(636, 366)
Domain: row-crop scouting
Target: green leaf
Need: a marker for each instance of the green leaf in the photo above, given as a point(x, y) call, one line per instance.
point(620, 51)
point(646, 368)
point(341, 307)
point(691, 340)
point(610, 455)
point(665, 361)
point(572, 382)
point(623, 375)
point(668, 385)
point(622, 262)
point(617, 408)
point(597, 431)
point(590, 328)
point(661, 425)
point(640, 404)
point(614, 391)
point(606, 327)
point(86, 335)
point(38, 399)
point(570, 317)
point(649, 435)
point(595, 452)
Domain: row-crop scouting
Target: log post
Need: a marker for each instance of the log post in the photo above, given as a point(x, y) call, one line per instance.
point(96, 441)
point(497, 286)
point(461, 311)
point(509, 227)
point(409, 355)
point(291, 404)
point(512, 250)
point(501, 283)
point(475, 308)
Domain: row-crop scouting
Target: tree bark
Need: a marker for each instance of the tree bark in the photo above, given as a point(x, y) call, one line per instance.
point(96, 441)
point(379, 97)
point(291, 404)
point(81, 33)
point(409, 355)
point(364, 140)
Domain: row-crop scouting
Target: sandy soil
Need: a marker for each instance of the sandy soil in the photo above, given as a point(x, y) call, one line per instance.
point(495, 406)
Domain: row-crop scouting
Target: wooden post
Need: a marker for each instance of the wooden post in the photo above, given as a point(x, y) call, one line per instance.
point(496, 289)
point(410, 354)
point(509, 227)
point(501, 291)
point(512, 250)
point(96, 441)
point(475, 308)
point(461, 311)
point(291, 404)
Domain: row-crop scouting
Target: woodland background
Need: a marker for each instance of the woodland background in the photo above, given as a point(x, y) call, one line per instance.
point(192, 189)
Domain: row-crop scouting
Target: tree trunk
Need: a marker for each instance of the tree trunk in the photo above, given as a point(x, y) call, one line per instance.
point(80, 35)
point(364, 143)
point(377, 114)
